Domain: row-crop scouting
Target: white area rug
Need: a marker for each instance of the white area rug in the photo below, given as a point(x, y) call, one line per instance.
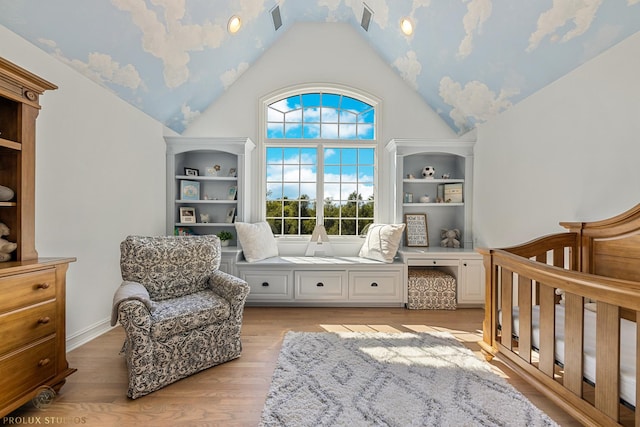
point(389, 379)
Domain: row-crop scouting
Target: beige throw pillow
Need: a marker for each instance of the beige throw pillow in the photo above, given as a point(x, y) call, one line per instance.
point(382, 242)
point(257, 240)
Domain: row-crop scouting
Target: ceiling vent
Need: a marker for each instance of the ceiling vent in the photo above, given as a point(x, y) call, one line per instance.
point(367, 13)
point(276, 17)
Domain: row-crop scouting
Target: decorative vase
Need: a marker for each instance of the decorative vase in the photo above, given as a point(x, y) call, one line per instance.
point(224, 243)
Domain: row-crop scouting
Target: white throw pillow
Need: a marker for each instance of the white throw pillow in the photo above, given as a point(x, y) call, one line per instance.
point(382, 242)
point(257, 241)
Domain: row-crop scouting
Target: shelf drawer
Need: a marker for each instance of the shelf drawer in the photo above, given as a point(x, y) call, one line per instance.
point(378, 286)
point(21, 290)
point(27, 369)
point(21, 327)
point(434, 262)
point(269, 285)
point(320, 285)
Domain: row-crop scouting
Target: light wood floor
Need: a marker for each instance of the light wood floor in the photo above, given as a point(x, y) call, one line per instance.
point(233, 394)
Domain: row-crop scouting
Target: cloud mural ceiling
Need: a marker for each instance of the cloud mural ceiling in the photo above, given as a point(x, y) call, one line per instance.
point(468, 59)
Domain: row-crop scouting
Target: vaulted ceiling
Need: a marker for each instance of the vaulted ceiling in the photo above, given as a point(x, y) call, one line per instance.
point(468, 59)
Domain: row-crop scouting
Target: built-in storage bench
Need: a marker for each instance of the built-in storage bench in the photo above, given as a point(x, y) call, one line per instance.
point(328, 281)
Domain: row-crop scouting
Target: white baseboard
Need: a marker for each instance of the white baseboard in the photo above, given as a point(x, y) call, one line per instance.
point(84, 336)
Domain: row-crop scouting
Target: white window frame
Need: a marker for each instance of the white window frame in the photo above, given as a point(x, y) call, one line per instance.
point(263, 143)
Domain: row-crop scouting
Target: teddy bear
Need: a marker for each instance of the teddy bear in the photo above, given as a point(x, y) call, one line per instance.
point(450, 238)
point(6, 247)
point(428, 172)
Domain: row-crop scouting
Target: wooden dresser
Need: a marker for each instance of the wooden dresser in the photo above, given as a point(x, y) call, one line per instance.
point(32, 289)
point(32, 335)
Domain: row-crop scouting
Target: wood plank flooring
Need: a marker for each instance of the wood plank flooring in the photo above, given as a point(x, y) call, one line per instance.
point(233, 394)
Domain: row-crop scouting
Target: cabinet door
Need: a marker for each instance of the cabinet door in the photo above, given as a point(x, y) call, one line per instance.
point(320, 285)
point(268, 286)
point(471, 288)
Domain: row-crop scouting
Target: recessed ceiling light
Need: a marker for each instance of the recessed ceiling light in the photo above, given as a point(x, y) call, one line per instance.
point(234, 24)
point(406, 26)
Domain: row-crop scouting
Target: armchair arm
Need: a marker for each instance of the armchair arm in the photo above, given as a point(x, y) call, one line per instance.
point(231, 288)
point(130, 291)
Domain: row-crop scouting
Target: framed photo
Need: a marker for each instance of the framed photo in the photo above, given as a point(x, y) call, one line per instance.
point(187, 215)
point(191, 172)
point(189, 190)
point(231, 193)
point(233, 172)
point(416, 233)
point(231, 213)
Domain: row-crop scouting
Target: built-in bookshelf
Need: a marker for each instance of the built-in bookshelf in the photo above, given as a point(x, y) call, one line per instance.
point(206, 191)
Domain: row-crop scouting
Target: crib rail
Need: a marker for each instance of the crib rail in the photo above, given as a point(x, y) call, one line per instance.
point(529, 275)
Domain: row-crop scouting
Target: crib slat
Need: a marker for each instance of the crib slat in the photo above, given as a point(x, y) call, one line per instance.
point(507, 307)
point(524, 310)
point(608, 359)
point(547, 329)
point(573, 343)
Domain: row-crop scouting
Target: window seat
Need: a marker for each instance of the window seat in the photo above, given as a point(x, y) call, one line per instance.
point(324, 281)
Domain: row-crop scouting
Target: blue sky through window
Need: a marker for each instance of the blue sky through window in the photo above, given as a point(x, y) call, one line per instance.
point(320, 115)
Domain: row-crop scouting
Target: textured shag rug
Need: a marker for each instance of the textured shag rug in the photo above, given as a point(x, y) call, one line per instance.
point(389, 379)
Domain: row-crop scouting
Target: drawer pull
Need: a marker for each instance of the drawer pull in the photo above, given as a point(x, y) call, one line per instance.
point(319, 284)
point(434, 262)
point(465, 264)
point(44, 285)
point(265, 284)
point(44, 320)
point(374, 284)
point(44, 362)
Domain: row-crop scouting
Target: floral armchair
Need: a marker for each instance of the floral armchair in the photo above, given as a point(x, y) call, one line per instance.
point(179, 312)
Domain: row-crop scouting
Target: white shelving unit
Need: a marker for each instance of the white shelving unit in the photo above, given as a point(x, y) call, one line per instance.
point(200, 154)
point(453, 157)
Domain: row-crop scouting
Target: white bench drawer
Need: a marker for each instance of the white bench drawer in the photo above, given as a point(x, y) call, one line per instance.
point(378, 286)
point(269, 285)
point(320, 285)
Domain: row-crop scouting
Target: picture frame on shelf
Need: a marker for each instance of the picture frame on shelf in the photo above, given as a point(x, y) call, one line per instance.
point(416, 232)
point(231, 213)
point(187, 215)
point(233, 172)
point(231, 193)
point(191, 172)
point(189, 190)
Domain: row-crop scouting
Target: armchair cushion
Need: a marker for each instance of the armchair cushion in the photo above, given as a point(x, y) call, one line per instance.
point(182, 314)
point(169, 266)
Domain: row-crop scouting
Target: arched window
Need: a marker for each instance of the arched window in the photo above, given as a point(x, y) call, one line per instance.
point(320, 161)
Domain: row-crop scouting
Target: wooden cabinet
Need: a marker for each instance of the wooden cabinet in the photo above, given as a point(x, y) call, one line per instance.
point(32, 289)
point(218, 191)
point(32, 336)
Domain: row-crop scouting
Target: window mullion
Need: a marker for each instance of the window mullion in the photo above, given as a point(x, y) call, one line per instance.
point(320, 185)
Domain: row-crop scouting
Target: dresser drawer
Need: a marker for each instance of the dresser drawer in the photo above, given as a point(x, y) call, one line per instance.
point(21, 290)
point(27, 369)
point(23, 326)
point(378, 286)
point(320, 285)
point(269, 285)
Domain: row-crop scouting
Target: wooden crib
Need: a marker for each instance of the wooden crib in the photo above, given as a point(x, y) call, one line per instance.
point(584, 360)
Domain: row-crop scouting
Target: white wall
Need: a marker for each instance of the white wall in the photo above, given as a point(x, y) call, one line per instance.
point(324, 53)
point(570, 152)
point(100, 175)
